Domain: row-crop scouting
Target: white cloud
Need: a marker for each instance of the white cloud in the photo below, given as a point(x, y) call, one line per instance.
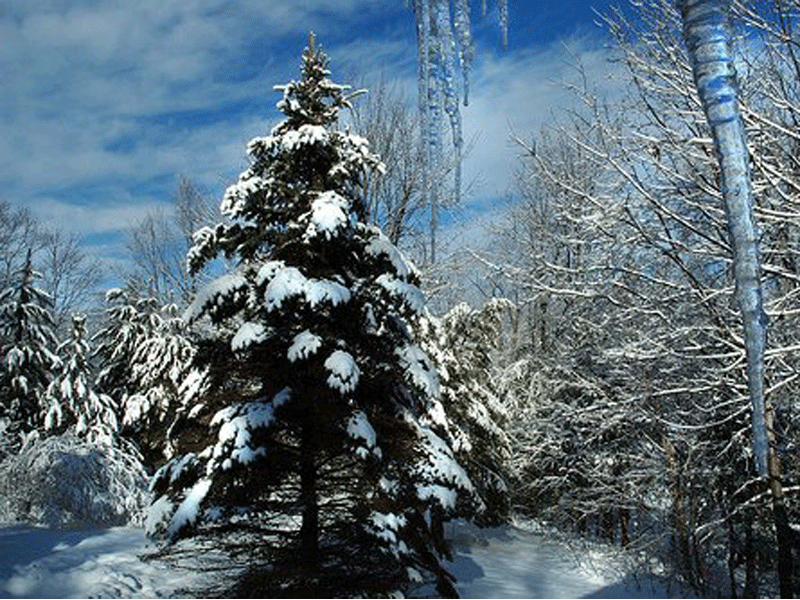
point(517, 94)
point(101, 99)
point(86, 219)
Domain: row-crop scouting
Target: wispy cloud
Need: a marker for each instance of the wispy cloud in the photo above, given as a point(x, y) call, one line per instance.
point(127, 91)
point(517, 94)
point(105, 102)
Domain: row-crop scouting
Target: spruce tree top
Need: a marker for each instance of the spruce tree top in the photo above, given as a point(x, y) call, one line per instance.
point(304, 174)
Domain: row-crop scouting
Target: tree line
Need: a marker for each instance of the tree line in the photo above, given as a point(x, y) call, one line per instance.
point(274, 370)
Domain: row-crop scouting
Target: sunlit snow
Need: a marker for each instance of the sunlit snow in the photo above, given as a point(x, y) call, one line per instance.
point(410, 294)
point(344, 372)
point(328, 215)
point(504, 562)
point(247, 335)
point(188, 510)
point(288, 282)
point(419, 368)
point(303, 345)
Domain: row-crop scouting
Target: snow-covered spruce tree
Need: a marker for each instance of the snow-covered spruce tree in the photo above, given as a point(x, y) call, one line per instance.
point(71, 398)
point(128, 321)
point(323, 470)
point(462, 345)
point(145, 353)
point(26, 321)
point(159, 366)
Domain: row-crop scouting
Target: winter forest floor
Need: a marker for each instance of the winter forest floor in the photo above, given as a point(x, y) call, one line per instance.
point(507, 562)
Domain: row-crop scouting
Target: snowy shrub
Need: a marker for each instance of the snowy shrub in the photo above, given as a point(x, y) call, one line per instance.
point(67, 480)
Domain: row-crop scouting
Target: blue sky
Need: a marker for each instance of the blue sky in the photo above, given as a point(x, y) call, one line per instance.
point(104, 103)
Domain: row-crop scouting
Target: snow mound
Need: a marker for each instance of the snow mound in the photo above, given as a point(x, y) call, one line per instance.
point(289, 282)
point(360, 429)
point(328, 215)
point(88, 564)
point(503, 562)
point(380, 246)
point(521, 562)
point(247, 335)
point(304, 344)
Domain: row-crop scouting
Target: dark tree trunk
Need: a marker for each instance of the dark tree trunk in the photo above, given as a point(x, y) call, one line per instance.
point(733, 557)
point(309, 529)
point(750, 580)
point(784, 538)
point(624, 527)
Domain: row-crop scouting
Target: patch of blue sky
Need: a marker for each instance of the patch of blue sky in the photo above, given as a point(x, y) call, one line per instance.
point(107, 104)
point(161, 127)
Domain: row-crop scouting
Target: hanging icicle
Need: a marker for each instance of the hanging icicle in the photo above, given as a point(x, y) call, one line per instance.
point(466, 47)
point(502, 9)
point(442, 35)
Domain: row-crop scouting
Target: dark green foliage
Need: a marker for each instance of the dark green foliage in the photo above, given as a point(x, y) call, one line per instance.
point(26, 323)
point(323, 469)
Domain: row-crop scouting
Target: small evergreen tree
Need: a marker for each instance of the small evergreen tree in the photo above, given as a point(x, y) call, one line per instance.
point(323, 466)
point(27, 357)
point(461, 344)
point(71, 396)
point(129, 321)
point(159, 366)
point(145, 353)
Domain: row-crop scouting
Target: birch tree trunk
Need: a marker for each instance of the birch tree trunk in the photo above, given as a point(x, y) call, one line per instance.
point(708, 37)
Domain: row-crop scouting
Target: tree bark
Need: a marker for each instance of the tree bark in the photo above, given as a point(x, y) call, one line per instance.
point(309, 528)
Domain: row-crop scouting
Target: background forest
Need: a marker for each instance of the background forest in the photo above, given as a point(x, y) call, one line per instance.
point(290, 381)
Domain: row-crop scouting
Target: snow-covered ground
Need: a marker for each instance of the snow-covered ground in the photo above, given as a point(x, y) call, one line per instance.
point(44, 563)
point(519, 562)
point(508, 562)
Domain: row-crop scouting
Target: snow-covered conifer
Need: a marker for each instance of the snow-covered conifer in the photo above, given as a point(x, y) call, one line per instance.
point(159, 366)
point(71, 398)
point(129, 320)
point(322, 463)
point(462, 344)
point(145, 354)
point(27, 353)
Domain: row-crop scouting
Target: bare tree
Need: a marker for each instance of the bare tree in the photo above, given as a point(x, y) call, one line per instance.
point(19, 230)
point(398, 199)
point(395, 199)
point(158, 245)
point(626, 276)
point(68, 275)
